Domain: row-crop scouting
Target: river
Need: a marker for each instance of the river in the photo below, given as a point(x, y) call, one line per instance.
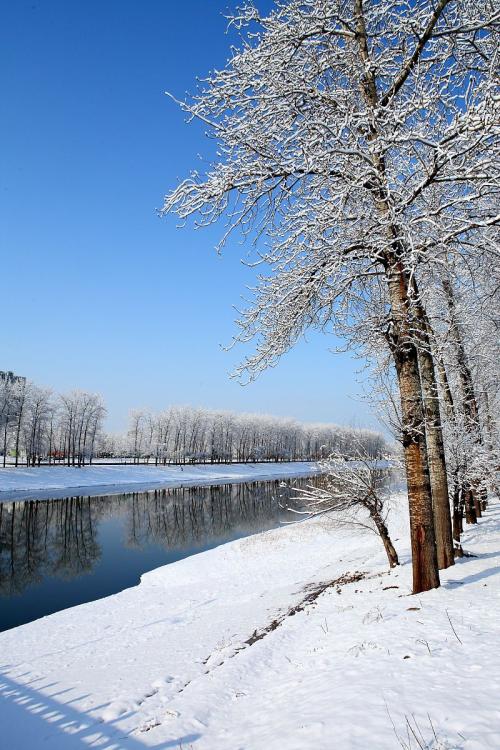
point(59, 553)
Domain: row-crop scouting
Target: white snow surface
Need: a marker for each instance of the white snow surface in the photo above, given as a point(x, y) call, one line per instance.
point(34, 481)
point(166, 664)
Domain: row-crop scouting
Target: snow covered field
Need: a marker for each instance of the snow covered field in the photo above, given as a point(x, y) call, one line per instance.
point(43, 481)
point(206, 654)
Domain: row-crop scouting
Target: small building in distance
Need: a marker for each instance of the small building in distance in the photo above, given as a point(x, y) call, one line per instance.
point(9, 377)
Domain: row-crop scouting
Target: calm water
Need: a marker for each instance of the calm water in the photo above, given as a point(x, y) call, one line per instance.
point(58, 553)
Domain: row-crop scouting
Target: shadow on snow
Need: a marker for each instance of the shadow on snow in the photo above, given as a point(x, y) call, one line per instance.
point(32, 719)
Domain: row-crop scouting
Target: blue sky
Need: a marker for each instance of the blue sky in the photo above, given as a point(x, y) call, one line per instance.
point(98, 292)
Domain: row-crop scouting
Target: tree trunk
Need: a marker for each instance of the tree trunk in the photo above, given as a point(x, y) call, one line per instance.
point(458, 492)
point(457, 521)
point(484, 499)
point(435, 442)
point(471, 411)
point(445, 385)
point(5, 440)
point(19, 421)
point(470, 507)
point(423, 541)
point(383, 531)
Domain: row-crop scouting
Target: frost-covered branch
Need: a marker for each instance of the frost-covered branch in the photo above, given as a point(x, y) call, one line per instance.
point(352, 492)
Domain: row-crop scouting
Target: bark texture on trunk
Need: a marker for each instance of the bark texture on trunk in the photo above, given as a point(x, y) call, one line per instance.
point(445, 387)
point(470, 507)
point(467, 386)
point(473, 509)
point(484, 499)
point(434, 439)
point(423, 541)
point(457, 520)
point(383, 531)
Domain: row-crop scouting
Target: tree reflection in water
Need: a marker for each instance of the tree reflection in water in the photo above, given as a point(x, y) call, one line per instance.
point(43, 542)
point(188, 517)
point(46, 537)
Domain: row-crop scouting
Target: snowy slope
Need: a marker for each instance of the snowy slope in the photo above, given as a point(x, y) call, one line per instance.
point(35, 481)
point(187, 658)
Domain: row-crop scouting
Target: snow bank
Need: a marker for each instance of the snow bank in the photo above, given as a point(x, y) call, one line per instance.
point(191, 658)
point(36, 482)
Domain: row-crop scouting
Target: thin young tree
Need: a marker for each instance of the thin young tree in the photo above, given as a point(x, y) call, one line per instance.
point(352, 494)
point(7, 414)
point(334, 121)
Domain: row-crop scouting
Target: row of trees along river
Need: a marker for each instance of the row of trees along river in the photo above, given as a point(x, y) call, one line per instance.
point(40, 427)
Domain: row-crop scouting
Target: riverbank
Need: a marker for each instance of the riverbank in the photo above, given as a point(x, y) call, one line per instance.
point(298, 637)
point(56, 481)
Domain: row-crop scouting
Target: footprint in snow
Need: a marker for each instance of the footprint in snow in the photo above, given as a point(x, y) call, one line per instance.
point(363, 648)
point(117, 709)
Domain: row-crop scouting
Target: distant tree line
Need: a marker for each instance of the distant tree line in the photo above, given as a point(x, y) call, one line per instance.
point(38, 426)
point(183, 434)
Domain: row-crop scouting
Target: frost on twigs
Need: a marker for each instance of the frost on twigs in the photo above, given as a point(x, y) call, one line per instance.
point(353, 492)
point(349, 137)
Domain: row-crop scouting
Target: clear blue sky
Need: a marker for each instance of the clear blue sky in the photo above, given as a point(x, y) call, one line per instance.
point(97, 292)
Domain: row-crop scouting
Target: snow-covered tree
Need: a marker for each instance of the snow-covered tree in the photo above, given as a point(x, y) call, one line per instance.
point(81, 417)
point(36, 426)
point(334, 122)
point(465, 326)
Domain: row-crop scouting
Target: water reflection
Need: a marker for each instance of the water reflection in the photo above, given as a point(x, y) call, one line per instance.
point(36, 538)
point(57, 553)
point(183, 517)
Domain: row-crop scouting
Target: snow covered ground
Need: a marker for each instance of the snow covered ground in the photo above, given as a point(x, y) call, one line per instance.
point(43, 481)
point(247, 647)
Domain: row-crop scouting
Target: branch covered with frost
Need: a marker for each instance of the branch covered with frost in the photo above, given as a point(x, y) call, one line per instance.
point(299, 152)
